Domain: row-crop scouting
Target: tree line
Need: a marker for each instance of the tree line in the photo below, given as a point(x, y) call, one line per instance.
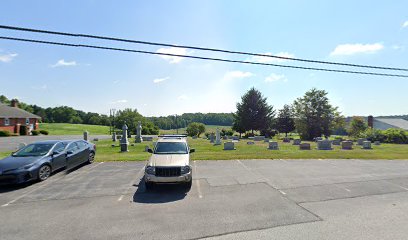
point(183, 120)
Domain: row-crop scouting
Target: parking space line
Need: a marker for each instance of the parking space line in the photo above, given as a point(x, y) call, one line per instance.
point(282, 192)
point(200, 195)
point(263, 178)
point(131, 184)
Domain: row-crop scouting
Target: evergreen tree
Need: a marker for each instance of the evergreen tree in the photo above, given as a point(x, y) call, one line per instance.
point(285, 120)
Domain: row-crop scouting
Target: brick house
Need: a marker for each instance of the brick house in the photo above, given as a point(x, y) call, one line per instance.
point(13, 118)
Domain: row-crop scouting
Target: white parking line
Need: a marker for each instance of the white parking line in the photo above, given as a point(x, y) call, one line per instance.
point(200, 195)
point(282, 192)
point(247, 168)
point(131, 184)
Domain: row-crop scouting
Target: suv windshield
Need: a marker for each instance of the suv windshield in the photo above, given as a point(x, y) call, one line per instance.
point(171, 148)
point(34, 150)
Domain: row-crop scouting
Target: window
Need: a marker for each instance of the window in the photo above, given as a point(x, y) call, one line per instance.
point(59, 148)
point(81, 144)
point(171, 148)
point(27, 121)
point(73, 147)
point(6, 121)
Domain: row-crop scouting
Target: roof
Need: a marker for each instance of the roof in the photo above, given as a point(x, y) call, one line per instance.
point(14, 112)
point(172, 138)
point(391, 122)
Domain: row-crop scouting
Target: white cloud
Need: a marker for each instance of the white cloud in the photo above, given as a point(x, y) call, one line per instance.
point(276, 77)
point(262, 59)
point(173, 50)
point(8, 57)
point(405, 24)
point(350, 49)
point(231, 75)
point(183, 97)
point(159, 80)
point(63, 63)
point(120, 101)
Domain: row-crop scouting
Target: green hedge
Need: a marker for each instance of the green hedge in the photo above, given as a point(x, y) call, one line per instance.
point(44, 132)
point(4, 133)
point(391, 135)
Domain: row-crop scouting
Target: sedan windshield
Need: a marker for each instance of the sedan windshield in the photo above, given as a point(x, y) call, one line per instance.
point(37, 149)
point(171, 148)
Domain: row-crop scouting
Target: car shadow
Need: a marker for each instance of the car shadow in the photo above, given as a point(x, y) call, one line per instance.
point(160, 193)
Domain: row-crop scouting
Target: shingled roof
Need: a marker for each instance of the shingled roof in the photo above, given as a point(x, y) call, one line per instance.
point(14, 112)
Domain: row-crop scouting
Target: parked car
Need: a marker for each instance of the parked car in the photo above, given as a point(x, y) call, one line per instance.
point(38, 160)
point(170, 162)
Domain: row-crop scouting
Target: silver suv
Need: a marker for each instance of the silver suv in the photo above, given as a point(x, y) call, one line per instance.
point(170, 162)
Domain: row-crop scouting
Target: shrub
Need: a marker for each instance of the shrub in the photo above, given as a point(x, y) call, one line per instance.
point(35, 132)
point(4, 133)
point(44, 132)
point(396, 136)
point(195, 129)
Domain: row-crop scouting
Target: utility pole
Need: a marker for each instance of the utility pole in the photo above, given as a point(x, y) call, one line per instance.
point(176, 125)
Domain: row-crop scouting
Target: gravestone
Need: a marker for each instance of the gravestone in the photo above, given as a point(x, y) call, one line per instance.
point(250, 143)
point(297, 141)
point(266, 140)
point(225, 137)
point(217, 137)
point(96, 139)
point(114, 136)
point(273, 146)
point(235, 138)
point(138, 137)
point(367, 145)
point(324, 145)
point(377, 143)
point(124, 143)
point(146, 148)
point(318, 139)
point(360, 141)
point(304, 146)
point(229, 146)
point(347, 145)
point(149, 139)
point(194, 137)
point(259, 138)
point(286, 140)
point(336, 142)
point(212, 138)
point(86, 134)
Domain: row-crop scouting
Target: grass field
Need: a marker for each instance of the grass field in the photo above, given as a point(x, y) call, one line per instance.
point(73, 129)
point(208, 128)
point(207, 151)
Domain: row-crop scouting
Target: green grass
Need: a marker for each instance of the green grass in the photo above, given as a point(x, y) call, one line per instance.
point(73, 129)
point(207, 151)
point(208, 128)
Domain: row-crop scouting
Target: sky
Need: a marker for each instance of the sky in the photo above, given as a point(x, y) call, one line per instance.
point(359, 32)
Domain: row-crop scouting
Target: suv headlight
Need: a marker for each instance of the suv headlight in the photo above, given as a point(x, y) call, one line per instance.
point(150, 170)
point(185, 169)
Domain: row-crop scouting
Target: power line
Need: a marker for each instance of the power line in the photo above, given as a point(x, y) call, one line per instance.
point(198, 57)
point(197, 48)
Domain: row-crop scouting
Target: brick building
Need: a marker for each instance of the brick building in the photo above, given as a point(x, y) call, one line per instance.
point(12, 118)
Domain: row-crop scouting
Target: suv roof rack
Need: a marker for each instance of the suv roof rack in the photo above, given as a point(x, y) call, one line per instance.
point(173, 136)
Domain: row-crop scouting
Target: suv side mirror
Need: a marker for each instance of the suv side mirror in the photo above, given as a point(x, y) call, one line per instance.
point(192, 150)
point(150, 150)
point(70, 152)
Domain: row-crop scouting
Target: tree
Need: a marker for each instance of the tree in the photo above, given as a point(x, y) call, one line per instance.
point(285, 120)
point(195, 129)
point(314, 116)
point(357, 126)
point(253, 113)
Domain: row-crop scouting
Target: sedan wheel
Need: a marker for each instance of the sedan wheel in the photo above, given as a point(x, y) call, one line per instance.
point(91, 157)
point(44, 172)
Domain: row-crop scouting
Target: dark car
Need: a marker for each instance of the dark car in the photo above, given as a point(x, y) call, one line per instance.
point(38, 160)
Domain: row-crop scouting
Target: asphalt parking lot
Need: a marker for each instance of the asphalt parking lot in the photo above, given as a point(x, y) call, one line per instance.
point(235, 199)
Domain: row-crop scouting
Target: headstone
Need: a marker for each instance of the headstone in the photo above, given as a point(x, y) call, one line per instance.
point(304, 146)
point(347, 145)
point(318, 139)
point(324, 145)
point(273, 146)
point(149, 139)
point(114, 136)
point(259, 138)
point(212, 137)
point(266, 140)
point(138, 137)
point(250, 143)
point(286, 140)
point(146, 148)
point(367, 145)
point(336, 142)
point(96, 139)
point(235, 138)
point(118, 137)
point(194, 137)
point(377, 143)
point(360, 141)
point(297, 141)
point(229, 146)
point(225, 137)
point(86, 134)
point(124, 143)
point(217, 137)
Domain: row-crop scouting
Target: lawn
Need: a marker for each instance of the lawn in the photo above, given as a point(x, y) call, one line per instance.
point(207, 151)
point(73, 129)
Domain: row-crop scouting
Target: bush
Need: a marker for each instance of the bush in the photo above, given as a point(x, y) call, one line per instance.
point(391, 135)
point(4, 133)
point(195, 129)
point(44, 132)
point(35, 132)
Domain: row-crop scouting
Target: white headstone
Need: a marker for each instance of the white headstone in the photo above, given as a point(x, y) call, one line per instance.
point(138, 137)
point(217, 137)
